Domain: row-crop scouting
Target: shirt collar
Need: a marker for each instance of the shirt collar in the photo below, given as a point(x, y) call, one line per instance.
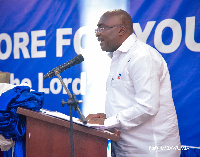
point(126, 45)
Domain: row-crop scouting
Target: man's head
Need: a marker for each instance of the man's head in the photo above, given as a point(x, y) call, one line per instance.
point(114, 27)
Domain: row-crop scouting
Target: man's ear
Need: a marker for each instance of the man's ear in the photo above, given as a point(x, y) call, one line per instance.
point(122, 30)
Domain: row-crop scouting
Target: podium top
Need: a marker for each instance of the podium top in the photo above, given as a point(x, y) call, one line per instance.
point(114, 136)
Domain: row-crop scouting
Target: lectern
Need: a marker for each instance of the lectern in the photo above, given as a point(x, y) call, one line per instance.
point(48, 136)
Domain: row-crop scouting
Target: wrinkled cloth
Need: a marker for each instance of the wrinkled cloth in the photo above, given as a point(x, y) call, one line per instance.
point(12, 124)
point(5, 87)
point(5, 144)
point(187, 151)
point(139, 102)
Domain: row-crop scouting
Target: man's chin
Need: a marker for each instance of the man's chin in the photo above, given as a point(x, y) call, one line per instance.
point(105, 49)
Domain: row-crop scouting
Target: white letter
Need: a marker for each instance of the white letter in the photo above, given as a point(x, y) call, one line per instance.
point(177, 36)
point(189, 35)
point(60, 41)
point(36, 43)
point(13, 80)
point(75, 85)
point(147, 30)
point(77, 39)
point(8, 40)
point(28, 81)
point(40, 84)
point(66, 81)
point(21, 45)
point(52, 85)
point(83, 83)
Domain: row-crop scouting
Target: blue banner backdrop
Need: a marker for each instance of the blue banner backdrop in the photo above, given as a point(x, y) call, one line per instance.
point(173, 27)
point(36, 36)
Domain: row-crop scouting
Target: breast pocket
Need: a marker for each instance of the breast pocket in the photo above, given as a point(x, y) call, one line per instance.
point(124, 87)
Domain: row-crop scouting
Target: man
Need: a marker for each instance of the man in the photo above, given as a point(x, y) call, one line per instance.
point(139, 97)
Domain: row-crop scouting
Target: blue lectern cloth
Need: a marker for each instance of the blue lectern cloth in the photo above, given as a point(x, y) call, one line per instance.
point(12, 124)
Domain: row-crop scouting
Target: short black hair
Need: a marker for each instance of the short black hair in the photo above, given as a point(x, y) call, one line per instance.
point(125, 17)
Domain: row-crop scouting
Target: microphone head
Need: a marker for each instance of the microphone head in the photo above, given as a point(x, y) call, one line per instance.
point(78, 59)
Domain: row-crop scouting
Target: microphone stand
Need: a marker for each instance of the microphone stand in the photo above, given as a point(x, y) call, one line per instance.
point(71, 102)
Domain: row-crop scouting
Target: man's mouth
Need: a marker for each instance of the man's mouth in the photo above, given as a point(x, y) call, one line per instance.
point(101, 41)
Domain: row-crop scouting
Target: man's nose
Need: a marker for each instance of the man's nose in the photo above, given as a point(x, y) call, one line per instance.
point(98, 33)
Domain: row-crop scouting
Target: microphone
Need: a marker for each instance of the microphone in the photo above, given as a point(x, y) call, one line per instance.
point(76, 60)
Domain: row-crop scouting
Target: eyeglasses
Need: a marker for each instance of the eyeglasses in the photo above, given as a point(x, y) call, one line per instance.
point(101, 29)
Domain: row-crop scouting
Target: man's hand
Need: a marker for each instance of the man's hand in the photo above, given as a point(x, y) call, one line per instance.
point(96, 118)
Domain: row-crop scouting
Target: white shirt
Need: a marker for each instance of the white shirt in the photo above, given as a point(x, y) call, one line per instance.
point(139, 102)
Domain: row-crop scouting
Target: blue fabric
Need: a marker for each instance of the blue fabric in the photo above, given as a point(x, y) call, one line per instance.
point(190, 152)
point(12, 124)
point(19, 150)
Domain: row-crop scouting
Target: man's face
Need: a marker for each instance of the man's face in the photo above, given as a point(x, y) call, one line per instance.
point(107, 32)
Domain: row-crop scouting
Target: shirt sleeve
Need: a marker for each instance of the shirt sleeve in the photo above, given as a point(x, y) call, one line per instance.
point(145, 73)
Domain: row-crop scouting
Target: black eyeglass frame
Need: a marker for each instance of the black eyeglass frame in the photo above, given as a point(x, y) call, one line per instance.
point(101, 29)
